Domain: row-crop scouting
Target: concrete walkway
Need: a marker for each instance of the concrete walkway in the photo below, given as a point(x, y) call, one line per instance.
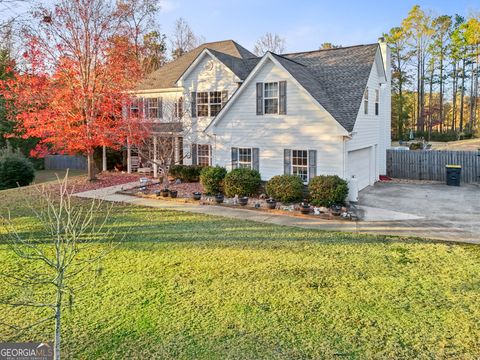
point(378, 221)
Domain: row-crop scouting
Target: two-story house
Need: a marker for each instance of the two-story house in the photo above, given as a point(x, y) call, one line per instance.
point(306, 113)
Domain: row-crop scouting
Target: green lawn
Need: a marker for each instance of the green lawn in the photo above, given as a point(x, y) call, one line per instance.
point(42, 176)
point(186, 286)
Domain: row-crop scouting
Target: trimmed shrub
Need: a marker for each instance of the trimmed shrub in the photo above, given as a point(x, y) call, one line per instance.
point(212, 179)
point(186, 173)
point(15, 170)
point(285, 188)
point(242, 182)
point(327, 190)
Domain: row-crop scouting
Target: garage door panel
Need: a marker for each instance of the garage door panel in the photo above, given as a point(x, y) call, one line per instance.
point(359, 166)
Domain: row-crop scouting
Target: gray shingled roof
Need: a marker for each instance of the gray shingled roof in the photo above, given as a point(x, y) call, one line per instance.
point(337, 78)
point(167, 75)
point(240, 67)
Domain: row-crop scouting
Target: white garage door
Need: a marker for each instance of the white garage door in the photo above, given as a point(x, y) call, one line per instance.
point(359, 165)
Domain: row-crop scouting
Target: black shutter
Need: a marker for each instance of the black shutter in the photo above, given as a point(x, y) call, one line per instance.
point(259, 98)
point(234, 158)
point(224, 97)
point(287, 161)
point(194, 154)
point(194, 104)
point(312, 164)
point(180, 107)
point(159, 108)
point(282, 106)
point(255, 159)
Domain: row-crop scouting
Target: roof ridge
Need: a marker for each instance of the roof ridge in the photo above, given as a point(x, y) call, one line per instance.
point(321, 50)
point(285, 58)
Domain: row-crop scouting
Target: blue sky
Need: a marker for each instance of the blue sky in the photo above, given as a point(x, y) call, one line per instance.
point(304, 23)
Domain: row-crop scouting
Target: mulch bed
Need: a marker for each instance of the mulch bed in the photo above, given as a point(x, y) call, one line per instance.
point(185, 195)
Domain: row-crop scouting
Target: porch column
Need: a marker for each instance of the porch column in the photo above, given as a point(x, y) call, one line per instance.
point(155, 166)
point(129, 157)
point(176, 157)
point(104, 158)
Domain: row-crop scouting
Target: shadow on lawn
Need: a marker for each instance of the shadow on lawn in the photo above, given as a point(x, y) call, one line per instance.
point(149, 225)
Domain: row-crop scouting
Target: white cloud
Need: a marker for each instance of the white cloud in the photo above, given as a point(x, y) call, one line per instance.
point(169, 5)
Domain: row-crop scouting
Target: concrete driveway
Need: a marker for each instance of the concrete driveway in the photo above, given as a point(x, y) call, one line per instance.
point(426, 210)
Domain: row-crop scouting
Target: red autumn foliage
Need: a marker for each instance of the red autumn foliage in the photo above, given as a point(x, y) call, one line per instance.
point(79, 68)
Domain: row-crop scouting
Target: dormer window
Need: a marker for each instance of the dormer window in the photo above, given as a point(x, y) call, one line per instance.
point(270, 98)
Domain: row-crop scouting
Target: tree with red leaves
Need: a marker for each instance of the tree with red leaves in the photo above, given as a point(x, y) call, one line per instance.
point(80, 65)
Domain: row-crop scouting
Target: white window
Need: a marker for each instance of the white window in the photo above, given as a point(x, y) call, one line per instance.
point(300, 164)
point(209, 103)
point(270, 98)
point(203, 154)
point(178, 110)
point(134, 108)
point(377, 101)
point(365, 101)
point(245, 158)
point(151, 108)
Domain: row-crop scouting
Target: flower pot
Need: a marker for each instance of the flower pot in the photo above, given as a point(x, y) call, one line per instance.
point(173, 193)
point(197, 195)
point(336, 210)
point(164, 192)
point(305, 208)
point(219, 198)
point(243, 200)
point(271, 204)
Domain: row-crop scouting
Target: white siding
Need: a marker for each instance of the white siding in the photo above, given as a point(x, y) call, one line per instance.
point(372, 131)
point(305, 127)
point(219, 78)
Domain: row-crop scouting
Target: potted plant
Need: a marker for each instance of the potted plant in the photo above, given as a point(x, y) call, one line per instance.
point(271, 203)
point(219, 198)
point(243, 200)
point(173, 193)
point(197, 195)
point(164, 192)
point(336, 210)
point(305, 208)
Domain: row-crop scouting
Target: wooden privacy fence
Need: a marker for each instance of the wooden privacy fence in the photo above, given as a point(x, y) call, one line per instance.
point(430, 164)
point(60, 162)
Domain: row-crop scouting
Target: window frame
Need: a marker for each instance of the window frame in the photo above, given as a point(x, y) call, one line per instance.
point(134, 105)
point(365, 101)
point(148, 107)
point(307, 166)
point(208, 156)
point(265, 98)
point(377, 102)
point(214, 94)
point(241, 164)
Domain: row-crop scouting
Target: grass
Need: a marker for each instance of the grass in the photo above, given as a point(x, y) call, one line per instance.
point(43, 176)
point(185, 286)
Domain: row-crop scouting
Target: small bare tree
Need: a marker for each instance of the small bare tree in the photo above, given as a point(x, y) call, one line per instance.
point(269, 42)
point(68, 239)
point(183, 39)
